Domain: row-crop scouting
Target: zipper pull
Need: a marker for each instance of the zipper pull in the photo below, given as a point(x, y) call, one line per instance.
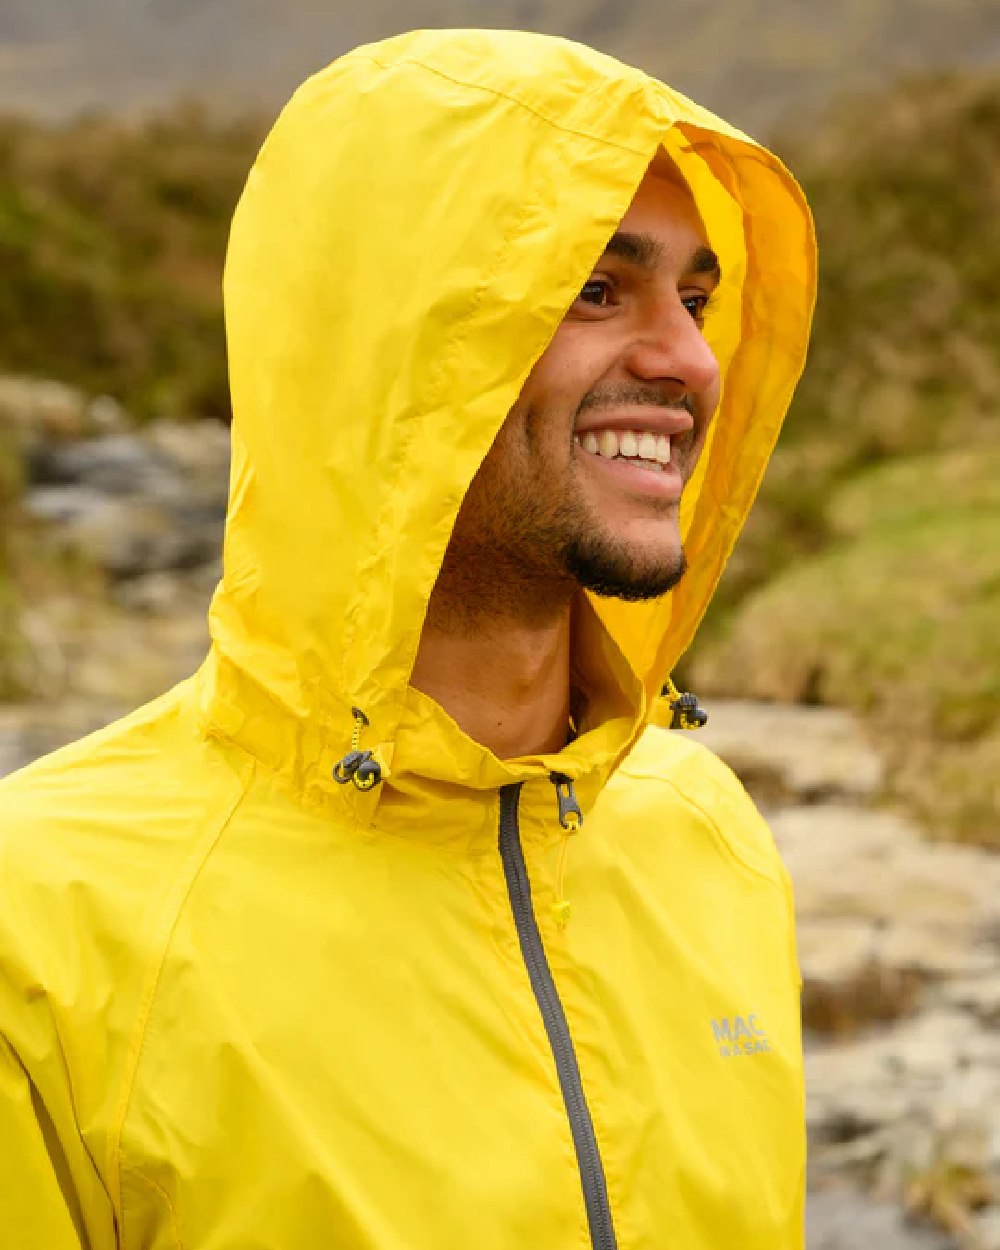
point(571, 818)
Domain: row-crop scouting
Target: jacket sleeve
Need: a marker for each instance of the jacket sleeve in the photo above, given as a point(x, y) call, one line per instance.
point(51, 1197)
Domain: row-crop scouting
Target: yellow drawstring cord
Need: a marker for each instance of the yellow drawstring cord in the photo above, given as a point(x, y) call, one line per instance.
point(563, 908)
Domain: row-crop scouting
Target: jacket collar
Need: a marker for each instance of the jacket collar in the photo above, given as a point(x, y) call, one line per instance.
point(437, 785)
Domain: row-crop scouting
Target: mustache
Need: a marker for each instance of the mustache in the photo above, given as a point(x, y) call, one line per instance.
point(632, 397)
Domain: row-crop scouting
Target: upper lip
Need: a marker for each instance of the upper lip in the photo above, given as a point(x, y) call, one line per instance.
point(669, 421)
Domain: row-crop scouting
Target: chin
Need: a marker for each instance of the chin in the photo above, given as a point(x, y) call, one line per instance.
point(613, 570)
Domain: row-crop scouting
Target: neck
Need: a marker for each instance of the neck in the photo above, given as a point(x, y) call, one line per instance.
point(496, 657)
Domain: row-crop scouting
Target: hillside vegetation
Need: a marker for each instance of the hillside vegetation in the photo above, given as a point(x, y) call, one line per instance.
point(869, 575)
point(111, 244)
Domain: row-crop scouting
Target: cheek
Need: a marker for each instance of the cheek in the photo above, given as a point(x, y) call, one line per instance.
point(577, 358)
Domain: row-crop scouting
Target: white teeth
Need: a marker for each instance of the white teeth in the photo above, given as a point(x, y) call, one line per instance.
point(635, 445)
point(628, 445)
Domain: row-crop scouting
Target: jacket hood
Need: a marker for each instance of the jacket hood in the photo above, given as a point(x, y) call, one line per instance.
point(414, 229)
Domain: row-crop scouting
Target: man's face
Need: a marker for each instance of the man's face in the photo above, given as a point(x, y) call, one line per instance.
point(584, 479)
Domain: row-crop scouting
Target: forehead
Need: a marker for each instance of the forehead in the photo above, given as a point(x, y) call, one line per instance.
point(664, 206)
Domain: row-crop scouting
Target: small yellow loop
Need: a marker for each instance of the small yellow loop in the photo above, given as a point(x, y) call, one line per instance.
point(561, 913)
point(561, 910)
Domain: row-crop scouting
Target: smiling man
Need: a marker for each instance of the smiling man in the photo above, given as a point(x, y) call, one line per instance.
point(581, 489)
point(403, 923)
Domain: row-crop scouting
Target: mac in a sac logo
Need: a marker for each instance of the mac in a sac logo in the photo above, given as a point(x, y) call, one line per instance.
point(740, 1035)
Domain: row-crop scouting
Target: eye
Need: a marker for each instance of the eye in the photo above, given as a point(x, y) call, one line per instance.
point(596, 292)
point(697, 305)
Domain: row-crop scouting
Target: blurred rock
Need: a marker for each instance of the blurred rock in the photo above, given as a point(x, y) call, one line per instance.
point(105, 415)
point(39, 411)
point(784, 753)
point(978, 995)
point(841, 1218)
point(152, 594)
point(988, 1230)
point(849, 980)
point(913, 1105)
point(882, 914)
point(134, 504)
point(63, 505)
point(125, 537)
point(200, 447)
point(167, 594)
point(121, 464)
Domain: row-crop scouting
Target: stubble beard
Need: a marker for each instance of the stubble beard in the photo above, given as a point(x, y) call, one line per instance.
point(597, 560)
point(520, 546)
point(516, 552)
point(606, 567)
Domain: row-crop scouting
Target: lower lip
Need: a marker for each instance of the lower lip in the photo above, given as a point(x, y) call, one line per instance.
point(662, 483)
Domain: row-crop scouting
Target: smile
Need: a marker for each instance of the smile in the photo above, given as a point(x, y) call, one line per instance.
point(642, 448)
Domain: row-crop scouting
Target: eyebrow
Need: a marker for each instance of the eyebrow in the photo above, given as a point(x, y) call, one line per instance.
point(646, 252)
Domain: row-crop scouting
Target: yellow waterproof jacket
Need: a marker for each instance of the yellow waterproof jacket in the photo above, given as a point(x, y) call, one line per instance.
point(245, 1007)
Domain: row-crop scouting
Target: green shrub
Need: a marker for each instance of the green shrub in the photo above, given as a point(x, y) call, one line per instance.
point(111, 246)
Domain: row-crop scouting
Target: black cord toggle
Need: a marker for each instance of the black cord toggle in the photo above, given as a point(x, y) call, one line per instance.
point(358, 766)
point(687, 713)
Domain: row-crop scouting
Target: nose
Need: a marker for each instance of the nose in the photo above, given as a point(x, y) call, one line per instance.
point(670, 347)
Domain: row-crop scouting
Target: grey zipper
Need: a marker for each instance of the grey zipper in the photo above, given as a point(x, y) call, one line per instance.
point(588, 1155)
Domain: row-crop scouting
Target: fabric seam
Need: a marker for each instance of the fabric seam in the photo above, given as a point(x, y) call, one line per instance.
point(713, 824)
point(511, 99)
point(10, 1054)
point(172, 908)
point(162, 1193)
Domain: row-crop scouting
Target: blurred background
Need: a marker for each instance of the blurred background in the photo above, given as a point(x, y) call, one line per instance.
point(851, 661)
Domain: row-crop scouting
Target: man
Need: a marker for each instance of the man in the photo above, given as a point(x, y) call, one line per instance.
point(400, 925)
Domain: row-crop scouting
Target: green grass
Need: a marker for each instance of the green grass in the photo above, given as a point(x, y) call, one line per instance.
point(897, 619)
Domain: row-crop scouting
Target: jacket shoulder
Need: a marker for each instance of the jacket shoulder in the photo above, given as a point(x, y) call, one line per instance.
point(148, 781)
point(94, 836)
point(670, 762)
